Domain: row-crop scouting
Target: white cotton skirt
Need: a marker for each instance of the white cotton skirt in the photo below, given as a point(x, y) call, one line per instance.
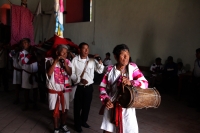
point(53, 98)
point(128, 118)
point(17, 77)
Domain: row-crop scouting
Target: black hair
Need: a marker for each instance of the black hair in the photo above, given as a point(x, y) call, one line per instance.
point(82, 44)
point(170, 58)
point(24, 3)
point(180, 63)
point(117, 50)
point(158, 59)
point(26, 39)
point(198, 50)
point(108, 54)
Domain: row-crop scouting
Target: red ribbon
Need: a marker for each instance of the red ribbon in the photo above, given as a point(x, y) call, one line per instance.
point(118, 118)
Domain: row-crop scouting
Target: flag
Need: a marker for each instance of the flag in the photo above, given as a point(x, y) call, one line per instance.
point(39, 9)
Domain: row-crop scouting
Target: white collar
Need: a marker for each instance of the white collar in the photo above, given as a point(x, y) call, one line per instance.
point(79, 58)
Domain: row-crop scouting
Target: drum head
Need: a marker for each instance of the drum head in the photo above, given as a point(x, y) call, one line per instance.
point(125, 97)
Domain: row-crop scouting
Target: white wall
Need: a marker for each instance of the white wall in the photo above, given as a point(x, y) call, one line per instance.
point(151, 28)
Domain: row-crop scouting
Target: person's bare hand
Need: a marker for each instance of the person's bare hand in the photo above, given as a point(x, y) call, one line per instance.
point(126, 81)
point(109, 104)
point(84, 81)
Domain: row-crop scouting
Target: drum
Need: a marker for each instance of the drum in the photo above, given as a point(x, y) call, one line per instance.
point(132, 97)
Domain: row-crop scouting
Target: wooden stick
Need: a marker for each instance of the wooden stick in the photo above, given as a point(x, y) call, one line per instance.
point(9, 2)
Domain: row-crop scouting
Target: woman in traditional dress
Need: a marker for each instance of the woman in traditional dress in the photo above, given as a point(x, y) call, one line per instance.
point(123, 72)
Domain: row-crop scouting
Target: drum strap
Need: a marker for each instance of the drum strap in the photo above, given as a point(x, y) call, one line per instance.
point(112, 85)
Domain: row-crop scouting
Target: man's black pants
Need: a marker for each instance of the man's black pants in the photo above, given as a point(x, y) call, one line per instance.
point(82, 102)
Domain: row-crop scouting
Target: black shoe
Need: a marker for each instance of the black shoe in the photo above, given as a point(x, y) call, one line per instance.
point(79, 130)
point(64, 129)
point(85, 125)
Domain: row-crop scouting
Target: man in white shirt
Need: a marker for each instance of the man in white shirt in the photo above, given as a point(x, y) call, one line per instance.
point(83, 94)
point(107, 61)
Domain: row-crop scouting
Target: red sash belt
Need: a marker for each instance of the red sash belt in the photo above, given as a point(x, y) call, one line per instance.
point(117, 117)
point(60, 100)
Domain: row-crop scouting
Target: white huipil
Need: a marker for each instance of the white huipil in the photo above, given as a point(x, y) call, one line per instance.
point(17, 72)
point(129, 120)
point(27, 69)
point(53, 84)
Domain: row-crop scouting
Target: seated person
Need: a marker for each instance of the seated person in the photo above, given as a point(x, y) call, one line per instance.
point(180, 68)
point(170, 74)
point(156, 69)
point(170, 69)
point(107, 61)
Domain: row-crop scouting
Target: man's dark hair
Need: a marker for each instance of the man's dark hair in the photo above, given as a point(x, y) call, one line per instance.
point(108, 54)
point(26, 39)
point(180, 64)
point(158, 59)
point(117, 50)
point(82, 44)
point(170, 58)
point(198, 50)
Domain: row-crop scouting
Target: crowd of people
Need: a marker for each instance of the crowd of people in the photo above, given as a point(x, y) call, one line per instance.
point(170, 76)
point(166, 73)
point(72, 79)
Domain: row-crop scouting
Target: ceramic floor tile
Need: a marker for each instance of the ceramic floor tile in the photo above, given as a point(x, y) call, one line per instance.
point(172, 116)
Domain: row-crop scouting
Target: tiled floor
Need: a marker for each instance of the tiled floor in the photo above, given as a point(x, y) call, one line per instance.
point(173, 116)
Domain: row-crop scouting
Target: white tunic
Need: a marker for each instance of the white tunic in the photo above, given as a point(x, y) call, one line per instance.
point(17, 75)
point(31, 68)
point(51, 84)
point(129, 120)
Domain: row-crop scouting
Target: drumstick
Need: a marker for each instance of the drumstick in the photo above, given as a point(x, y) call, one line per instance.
point(122, 83)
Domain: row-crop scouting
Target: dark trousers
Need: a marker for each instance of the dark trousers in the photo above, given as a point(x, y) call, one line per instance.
point(4, 77)
point(195, 92)
point(82, 102)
